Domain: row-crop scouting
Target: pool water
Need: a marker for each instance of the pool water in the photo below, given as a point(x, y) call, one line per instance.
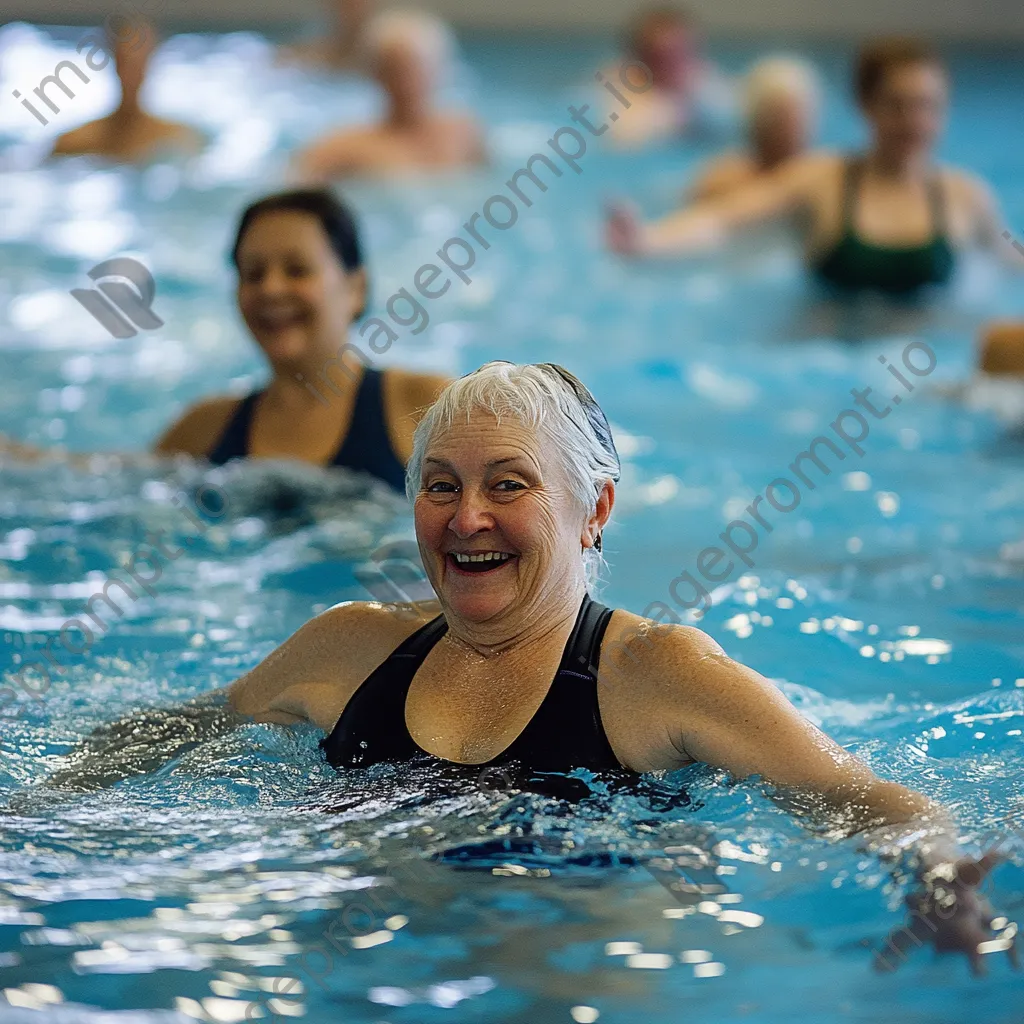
point(246, 880)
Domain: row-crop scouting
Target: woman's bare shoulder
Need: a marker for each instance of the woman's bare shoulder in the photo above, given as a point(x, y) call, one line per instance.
point(645, 649)
point(196, 431)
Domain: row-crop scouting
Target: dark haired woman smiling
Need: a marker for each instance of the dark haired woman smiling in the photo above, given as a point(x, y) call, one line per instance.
point(301, 285)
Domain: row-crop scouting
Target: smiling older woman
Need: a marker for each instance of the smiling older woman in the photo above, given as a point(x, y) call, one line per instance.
point(513, 479)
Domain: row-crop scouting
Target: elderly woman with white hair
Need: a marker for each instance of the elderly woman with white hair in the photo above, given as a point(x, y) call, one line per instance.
point(513, 479)
point(781, 100)
point(408, 52)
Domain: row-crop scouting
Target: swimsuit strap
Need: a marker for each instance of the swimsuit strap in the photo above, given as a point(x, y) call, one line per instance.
point(372, 727)
point(937, 202)
point(367, 446)
point(853, 171)
point(565, 733)
point(234, 441)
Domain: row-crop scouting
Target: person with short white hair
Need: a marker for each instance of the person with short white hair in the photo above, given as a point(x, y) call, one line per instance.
point(781, 105)
point(409, 53)
point(516, 671)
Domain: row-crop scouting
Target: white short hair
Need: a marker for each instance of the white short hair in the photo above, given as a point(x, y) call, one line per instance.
point(546, 398)
point(428, 35)
point(780, 77)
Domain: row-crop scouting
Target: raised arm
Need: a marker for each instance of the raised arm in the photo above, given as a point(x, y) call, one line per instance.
point(708, 225)
point(725, 714)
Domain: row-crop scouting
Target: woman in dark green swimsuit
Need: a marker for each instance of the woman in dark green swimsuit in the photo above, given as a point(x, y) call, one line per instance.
point(890, 220)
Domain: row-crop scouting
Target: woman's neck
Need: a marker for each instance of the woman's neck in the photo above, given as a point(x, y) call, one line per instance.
point(321, 379)
point(523, 631)
point(408, 117)
point(897, 166)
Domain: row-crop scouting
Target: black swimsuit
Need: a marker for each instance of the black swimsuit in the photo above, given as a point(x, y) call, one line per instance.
point(366, 447)
point(565, 733)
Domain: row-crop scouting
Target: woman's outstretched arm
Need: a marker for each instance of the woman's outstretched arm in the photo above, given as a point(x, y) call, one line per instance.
point(309, 678)
point(706, 226)
point(725, 714)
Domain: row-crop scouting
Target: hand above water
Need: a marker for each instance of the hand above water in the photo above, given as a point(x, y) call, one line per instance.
point(953, 915)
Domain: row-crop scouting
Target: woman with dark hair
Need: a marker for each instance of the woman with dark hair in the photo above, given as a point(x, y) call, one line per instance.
point(887, 220)
point(301, 285)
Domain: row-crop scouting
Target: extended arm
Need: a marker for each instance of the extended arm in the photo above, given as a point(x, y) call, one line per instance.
point(708, 225)
point(732, 717)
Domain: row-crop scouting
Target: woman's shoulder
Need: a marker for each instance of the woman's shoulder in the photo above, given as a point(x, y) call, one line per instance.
point(413, 392)
point(365, 633)
point(639, 648)
point(196, 431)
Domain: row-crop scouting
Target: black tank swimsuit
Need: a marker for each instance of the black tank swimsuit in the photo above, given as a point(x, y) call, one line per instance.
point(366, 447)
point(565, 733)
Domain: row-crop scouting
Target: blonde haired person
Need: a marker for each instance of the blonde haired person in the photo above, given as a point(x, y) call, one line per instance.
point(409, 53)
point(889, 220)
point(781, 105)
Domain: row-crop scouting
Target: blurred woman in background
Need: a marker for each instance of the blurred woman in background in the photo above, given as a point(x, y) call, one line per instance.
point(889, 220)
point(781, 104)
point(687, 92)
point(129, 134)
point(341, 48)
point(408, 52)
point(301, 285)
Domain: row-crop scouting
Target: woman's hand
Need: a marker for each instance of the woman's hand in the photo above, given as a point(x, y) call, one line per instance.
point(949, 912)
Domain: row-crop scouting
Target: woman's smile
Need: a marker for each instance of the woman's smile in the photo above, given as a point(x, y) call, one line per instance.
point(479, 563)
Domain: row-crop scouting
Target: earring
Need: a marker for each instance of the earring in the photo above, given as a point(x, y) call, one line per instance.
point(597, 543)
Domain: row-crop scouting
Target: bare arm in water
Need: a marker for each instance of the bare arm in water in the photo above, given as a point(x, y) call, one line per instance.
point(704, 226)
point(714, 710)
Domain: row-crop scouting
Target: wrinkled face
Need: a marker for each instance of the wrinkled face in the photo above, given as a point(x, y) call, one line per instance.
point(293, 292)
point(670, 51)
point(782, 126)
point(405, 74)
point(492, 490)
point(908, 112)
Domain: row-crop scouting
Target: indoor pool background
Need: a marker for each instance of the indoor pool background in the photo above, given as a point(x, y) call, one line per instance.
point(889, 607)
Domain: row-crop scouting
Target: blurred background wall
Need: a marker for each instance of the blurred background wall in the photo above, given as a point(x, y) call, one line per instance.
point(982, 20)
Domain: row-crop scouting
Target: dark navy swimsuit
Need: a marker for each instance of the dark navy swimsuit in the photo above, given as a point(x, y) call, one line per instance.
point(565, 733)
point(366, 447)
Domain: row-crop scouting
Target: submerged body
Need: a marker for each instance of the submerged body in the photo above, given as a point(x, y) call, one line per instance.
point(407, 53)
point(889, 220)
point(513, 477)
point(130, 134)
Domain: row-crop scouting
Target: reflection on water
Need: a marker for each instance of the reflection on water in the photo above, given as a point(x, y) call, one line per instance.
point(246, 877)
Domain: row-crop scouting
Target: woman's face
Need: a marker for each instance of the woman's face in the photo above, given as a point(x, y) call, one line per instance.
point(489, 489)
point(908, 112)
point(670, 51)
point(405, 75)
point(293, 292)
point(781, 127)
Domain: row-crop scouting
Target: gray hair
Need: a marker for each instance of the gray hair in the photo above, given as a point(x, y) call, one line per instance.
point(424, 33)
point(538, 395)
point(781, 77)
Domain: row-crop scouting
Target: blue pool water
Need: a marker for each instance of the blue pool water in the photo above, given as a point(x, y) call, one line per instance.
point(889, 606)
